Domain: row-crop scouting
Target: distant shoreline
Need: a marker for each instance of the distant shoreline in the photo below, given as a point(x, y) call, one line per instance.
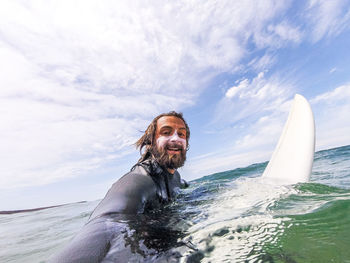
point(34, 209)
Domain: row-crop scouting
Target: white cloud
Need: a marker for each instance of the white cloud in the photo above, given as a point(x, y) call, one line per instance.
point(80, 79)
point(328, 18)
point(333, 97)
point(222, 162)
point(332, 70)
point(50, 131)
point(252, 143)
point(250, 119)
point(262, 63)
point(255, 141)
point(286, 32)
point(278, 34)
point(250, 98)
point(332, 117)
point(233, 91)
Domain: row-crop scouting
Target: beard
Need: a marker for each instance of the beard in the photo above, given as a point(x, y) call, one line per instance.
point(171, 161)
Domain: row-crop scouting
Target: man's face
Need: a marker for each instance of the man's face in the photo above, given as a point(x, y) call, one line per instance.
point(170, 137)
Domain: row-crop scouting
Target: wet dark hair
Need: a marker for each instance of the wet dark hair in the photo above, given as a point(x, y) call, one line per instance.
point(147, 139)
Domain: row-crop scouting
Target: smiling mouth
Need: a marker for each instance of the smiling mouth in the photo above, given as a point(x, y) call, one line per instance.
point(173, 150)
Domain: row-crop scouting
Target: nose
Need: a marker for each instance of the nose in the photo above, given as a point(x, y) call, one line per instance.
point(175, 137)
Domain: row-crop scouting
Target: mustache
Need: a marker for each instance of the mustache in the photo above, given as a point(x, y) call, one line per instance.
point(176, 145)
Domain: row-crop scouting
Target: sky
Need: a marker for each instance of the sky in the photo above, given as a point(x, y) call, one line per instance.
point(80, 81)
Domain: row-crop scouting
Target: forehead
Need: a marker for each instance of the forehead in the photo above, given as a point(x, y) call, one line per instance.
point(170, 121)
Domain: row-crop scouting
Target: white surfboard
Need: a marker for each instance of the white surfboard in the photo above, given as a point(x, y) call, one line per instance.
point(292, 159)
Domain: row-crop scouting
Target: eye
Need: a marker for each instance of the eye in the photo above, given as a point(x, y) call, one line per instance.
point(166, 133)
point(182, 135)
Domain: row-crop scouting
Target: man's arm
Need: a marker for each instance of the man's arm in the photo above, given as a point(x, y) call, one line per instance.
point(127, 196)
point(90, 245)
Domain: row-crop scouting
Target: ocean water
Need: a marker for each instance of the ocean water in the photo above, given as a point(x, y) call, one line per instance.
point(233, 216)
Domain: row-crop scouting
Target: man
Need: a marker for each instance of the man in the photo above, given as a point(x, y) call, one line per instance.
point(152, 182)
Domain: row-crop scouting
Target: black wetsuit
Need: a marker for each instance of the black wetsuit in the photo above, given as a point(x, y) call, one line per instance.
point(146, 187)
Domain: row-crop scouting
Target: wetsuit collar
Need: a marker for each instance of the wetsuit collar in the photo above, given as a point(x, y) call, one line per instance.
point(155, 170)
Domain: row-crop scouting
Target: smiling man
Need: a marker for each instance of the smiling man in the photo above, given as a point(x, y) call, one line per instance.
point(152, 182)
point(171, 142)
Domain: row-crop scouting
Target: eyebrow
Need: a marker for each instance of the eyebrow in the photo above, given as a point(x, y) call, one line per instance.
point(169, 127)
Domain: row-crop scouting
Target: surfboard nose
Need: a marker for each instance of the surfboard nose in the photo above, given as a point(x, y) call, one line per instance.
point(292, 159)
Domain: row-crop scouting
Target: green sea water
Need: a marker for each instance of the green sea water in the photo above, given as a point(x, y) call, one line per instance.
point(233, 216)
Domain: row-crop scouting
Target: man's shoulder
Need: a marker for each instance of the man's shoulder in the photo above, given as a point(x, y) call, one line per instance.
point(128, 194)
point(136, 171)
point(137, 177)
